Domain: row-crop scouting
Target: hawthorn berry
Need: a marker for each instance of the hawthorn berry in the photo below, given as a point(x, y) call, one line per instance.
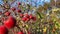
point(20, 32)
point(26, 15)
point(21, 15)
point(18, 11)
point(3, 30)
point(27, 19)
point(34, 18)
point(13, 8)
point(24, 19)
point(29, 33)
point(19, 3)
point(10, 22)
point(7, 13)
point(0, 12)
point(30, 16)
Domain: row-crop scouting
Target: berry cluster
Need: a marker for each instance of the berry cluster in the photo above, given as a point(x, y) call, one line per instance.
point(26, 17)
point(7, 24)
point(10, 21)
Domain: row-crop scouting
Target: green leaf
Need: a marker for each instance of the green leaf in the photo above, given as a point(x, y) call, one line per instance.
point(39, 15)
point(58, 24)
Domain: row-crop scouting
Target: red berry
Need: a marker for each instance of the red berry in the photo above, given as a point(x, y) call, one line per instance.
point(24, 19)
point(13, 8)
point(19, 3)
point(20, 33)
point(3, 30)
point(29, 33)
point(21, 15)
point(7, 13)
point(18, 11)
point(27, 19)
point(30, 16)
point(2, 18)
point(26, 15)
point(10, 22)
point(34, 18)
point(0, 12)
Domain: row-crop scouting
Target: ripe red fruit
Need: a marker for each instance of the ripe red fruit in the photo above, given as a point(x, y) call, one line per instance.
point(19, 3)
point(18, 11)
point(30, 16)
point(26, 15)
point(27, 19)
point(29, 33)
point(20, 32)
point(7, 13)
point(24, 19)
point(13, 8)
point(3, 30)
point(10, 22)
point(21, 15)
point(0, 12)
point(34, 18)
point(2, 18)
